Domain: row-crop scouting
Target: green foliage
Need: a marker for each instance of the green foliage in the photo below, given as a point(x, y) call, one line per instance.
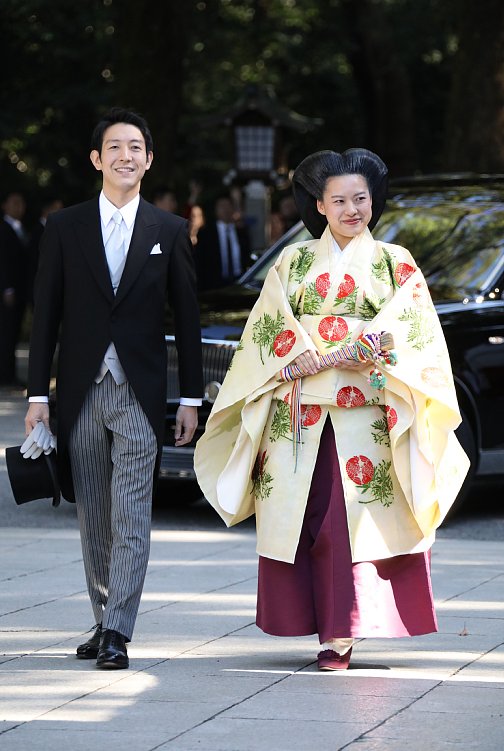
point(379, 74)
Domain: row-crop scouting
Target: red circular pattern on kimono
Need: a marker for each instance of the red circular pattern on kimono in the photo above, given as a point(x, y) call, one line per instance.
point(403, 271)
point(333, 328)
point(284, 342)
point(360, 469)
point(391, 417)
point(346, 287)
point(322, 284)
point(310, 414)
point(350, 396)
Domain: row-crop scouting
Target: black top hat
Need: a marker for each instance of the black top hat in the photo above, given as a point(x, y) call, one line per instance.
point(310, 177)
point(32, 479)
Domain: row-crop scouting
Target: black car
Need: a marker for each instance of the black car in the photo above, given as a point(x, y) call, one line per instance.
point(454, 227)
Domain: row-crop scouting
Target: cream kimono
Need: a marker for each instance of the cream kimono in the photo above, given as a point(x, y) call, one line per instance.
point(401, 464)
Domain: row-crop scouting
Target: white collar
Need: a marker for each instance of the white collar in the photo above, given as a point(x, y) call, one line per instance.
point(14, 223)
point(128, 211)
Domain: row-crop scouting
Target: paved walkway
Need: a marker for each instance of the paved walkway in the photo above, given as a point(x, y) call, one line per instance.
point(203, 676)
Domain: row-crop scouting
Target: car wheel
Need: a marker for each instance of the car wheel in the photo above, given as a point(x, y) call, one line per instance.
point(177, 492)
point(465, 435)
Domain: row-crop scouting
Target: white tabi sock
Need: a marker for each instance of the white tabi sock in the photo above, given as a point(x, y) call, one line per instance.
point(341, 646)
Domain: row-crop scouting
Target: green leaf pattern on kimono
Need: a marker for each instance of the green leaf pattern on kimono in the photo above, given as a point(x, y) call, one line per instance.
point(301, 264)
point(312, 300)
point(281, 422)
point(262, 481)
point(380, 429)
point(370, 308)
point(264, 332)
point(294, 302)
point(420, 333)
point(383, 269)
point(238, 349)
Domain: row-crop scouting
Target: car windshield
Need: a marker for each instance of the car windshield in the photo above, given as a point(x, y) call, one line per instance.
point(459, 247)
point(457, 240)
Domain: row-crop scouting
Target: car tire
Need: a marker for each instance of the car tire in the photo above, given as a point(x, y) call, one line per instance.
point(177, 492)
point(465, 435)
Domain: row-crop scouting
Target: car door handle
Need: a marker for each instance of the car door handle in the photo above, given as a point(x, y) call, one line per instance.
point(496, 339)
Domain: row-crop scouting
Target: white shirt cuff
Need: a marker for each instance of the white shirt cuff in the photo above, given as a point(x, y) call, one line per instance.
point(188, 402)
point(40, 399)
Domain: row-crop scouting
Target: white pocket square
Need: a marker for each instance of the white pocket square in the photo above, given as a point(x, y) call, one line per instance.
point(156, 249)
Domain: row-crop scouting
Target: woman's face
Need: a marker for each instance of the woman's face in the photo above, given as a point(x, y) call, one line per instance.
point(346, 203)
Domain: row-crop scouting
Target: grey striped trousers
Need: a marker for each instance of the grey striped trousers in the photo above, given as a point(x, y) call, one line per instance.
point(113, 452)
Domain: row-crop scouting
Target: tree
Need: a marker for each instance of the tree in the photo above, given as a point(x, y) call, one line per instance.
point(474, 133)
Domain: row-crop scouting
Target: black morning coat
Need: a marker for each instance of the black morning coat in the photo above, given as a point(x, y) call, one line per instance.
point(74, 299)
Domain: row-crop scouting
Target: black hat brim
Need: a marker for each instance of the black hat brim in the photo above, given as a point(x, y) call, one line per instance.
point(33, 479)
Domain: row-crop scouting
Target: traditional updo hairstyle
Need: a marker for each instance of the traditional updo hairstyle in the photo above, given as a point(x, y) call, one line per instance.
point(311, 176)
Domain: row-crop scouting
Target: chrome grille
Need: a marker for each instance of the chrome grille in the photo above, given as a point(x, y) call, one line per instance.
point(217, 355)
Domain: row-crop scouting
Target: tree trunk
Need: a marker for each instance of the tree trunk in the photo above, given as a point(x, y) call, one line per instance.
point(475, 117)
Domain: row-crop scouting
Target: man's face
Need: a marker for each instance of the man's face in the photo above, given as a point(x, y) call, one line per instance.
point(224, 210)
point(123, 159)
point(14, 206)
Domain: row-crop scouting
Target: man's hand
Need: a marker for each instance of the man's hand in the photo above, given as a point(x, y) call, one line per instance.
point(186, 422)
point(39, 439)
point(37, 412)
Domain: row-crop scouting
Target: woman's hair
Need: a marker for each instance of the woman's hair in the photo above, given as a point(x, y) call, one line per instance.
point(120, 115)
point(311, 176)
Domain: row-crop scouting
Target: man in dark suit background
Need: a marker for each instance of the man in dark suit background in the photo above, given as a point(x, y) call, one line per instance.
point(49, 204)
point(105, 266)
point(223, 247)
point(13, 284)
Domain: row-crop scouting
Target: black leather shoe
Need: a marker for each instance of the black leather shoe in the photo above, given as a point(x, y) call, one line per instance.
point(89, 650)
point(112, 653)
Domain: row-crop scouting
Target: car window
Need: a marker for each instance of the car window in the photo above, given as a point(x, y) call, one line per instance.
point(460, 248)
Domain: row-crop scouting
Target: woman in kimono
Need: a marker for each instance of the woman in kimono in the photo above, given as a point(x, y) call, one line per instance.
point(343, 449)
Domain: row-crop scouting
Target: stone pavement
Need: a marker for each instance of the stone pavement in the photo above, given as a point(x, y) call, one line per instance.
point(203, 676)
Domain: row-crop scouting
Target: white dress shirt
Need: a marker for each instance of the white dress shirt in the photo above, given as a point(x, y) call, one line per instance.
point(223, 230)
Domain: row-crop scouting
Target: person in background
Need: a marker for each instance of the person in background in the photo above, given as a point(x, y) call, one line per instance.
point(196, 222)
point(335, 424)
point(289, 211)
point(106, 269)
point(165, 198)
point(223, 249)
point(14, 281)
point(193, 199)
point(276, 226)
point(49, 205)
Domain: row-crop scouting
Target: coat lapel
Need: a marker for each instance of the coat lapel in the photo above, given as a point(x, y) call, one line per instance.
point(144, 237)
point(90, 239)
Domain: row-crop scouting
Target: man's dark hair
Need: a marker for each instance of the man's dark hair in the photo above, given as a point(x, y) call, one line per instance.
point(120, 115)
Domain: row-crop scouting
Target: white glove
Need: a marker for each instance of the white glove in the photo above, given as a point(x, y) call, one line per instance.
point(40, 441)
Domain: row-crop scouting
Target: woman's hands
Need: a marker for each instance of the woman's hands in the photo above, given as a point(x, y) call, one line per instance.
point(308, 362)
